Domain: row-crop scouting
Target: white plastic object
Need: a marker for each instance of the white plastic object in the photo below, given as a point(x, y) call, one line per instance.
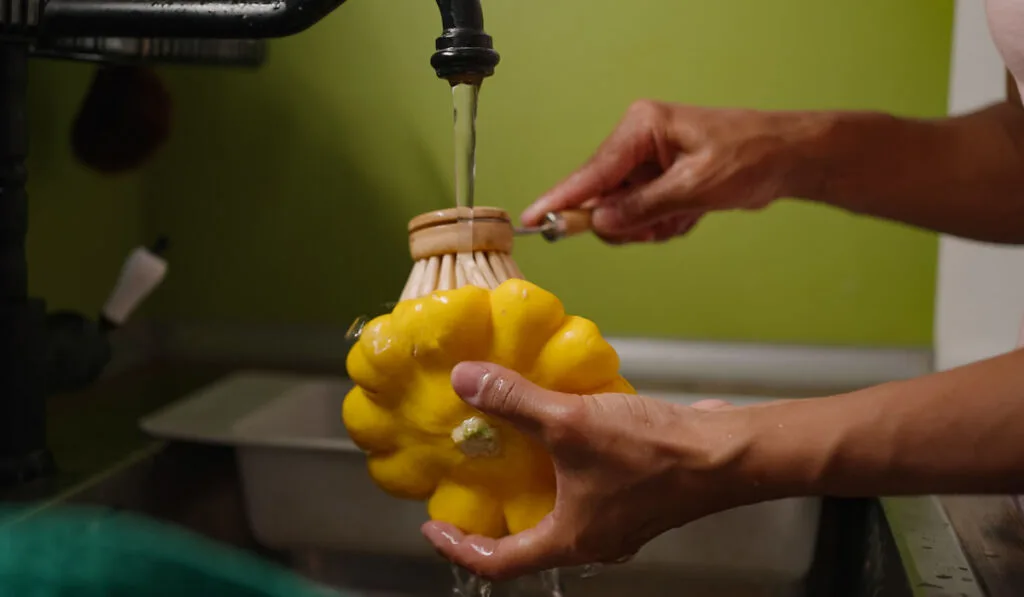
point(306, 486)
point(142, 272)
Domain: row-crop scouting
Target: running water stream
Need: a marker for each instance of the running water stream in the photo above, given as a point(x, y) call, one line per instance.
point(464, 102)
point(465, 97)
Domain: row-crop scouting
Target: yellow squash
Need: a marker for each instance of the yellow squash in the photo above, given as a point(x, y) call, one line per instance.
point(424, 443)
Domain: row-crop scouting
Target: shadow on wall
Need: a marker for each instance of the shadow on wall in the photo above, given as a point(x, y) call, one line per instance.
point(306, 235)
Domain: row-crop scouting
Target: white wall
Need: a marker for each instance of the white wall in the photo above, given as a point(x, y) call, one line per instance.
point(980, 290)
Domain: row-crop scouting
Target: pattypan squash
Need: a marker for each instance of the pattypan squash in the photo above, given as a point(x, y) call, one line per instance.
point(424, 443)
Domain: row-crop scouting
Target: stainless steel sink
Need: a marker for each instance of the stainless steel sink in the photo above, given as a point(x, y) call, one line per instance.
point(393, 576)
point(307, 493)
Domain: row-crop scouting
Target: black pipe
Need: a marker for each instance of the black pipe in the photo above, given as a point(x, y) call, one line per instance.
point(77, 351)
point(23, 452)
point(231, 19)
point(464, 52)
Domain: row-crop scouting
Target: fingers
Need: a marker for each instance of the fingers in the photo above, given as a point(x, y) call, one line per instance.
point(711, 405)
point(530, 551)
point(674, 226)
point(661, 231)
point(644, 205)
point(639, 236)
point(627, 147)
point(506, 394)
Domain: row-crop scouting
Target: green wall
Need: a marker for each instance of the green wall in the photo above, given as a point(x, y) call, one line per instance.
point(286, 191)
point(81, 225)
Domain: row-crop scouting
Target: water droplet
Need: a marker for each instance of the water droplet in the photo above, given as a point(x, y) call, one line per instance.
point(551, 580)
point(468, 584)
point(356, 329)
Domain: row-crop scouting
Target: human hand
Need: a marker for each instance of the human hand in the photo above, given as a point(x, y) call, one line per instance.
point(628, 468)
point(666, 165)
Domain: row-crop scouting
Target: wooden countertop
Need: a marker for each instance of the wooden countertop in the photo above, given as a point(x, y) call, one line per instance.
point(991, 531)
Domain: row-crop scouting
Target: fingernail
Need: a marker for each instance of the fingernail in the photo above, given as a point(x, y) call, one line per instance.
point(439, 535)
point(468, 380)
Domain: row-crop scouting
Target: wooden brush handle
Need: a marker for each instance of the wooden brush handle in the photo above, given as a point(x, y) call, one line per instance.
point(569, 222)
point(575, 221)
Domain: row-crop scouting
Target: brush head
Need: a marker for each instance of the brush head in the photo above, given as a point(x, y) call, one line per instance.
point(453, 231)
point(451, 249)
point(124, 120)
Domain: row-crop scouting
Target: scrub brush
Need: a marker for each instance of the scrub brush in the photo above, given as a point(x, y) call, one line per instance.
point(451, 250)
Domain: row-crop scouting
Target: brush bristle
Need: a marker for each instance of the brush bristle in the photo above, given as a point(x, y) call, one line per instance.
point(451, 271)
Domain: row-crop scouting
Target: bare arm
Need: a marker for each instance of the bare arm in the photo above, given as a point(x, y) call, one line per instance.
point(629, 468)
point(962, 175)
point(959, 431)
point(666, 165)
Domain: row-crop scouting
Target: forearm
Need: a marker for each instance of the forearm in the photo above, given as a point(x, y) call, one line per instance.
point(960, 431)
point(961, 176)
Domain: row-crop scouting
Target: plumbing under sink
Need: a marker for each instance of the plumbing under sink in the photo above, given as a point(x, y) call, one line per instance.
point(307, 490)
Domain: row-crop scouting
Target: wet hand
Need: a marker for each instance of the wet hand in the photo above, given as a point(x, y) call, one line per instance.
point(628, 469)
point(666, 165)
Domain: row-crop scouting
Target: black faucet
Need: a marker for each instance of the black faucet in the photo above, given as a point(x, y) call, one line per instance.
point(463, 53)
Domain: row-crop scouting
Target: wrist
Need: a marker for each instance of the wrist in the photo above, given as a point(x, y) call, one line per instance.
point(830, 151)
point(785, 448)
point(746, 454)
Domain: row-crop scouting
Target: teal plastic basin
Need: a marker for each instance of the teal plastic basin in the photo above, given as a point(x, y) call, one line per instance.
point(96, 552)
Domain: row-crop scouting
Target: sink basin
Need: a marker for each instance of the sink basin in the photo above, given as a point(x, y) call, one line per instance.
point(307, 488)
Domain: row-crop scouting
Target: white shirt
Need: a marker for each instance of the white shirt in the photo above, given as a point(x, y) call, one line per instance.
point(1006, 21)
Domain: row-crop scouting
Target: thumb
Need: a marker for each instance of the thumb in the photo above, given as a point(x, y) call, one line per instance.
point(506, 394)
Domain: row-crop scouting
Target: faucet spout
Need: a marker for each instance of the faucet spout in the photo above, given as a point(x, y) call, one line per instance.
point(464, 52)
